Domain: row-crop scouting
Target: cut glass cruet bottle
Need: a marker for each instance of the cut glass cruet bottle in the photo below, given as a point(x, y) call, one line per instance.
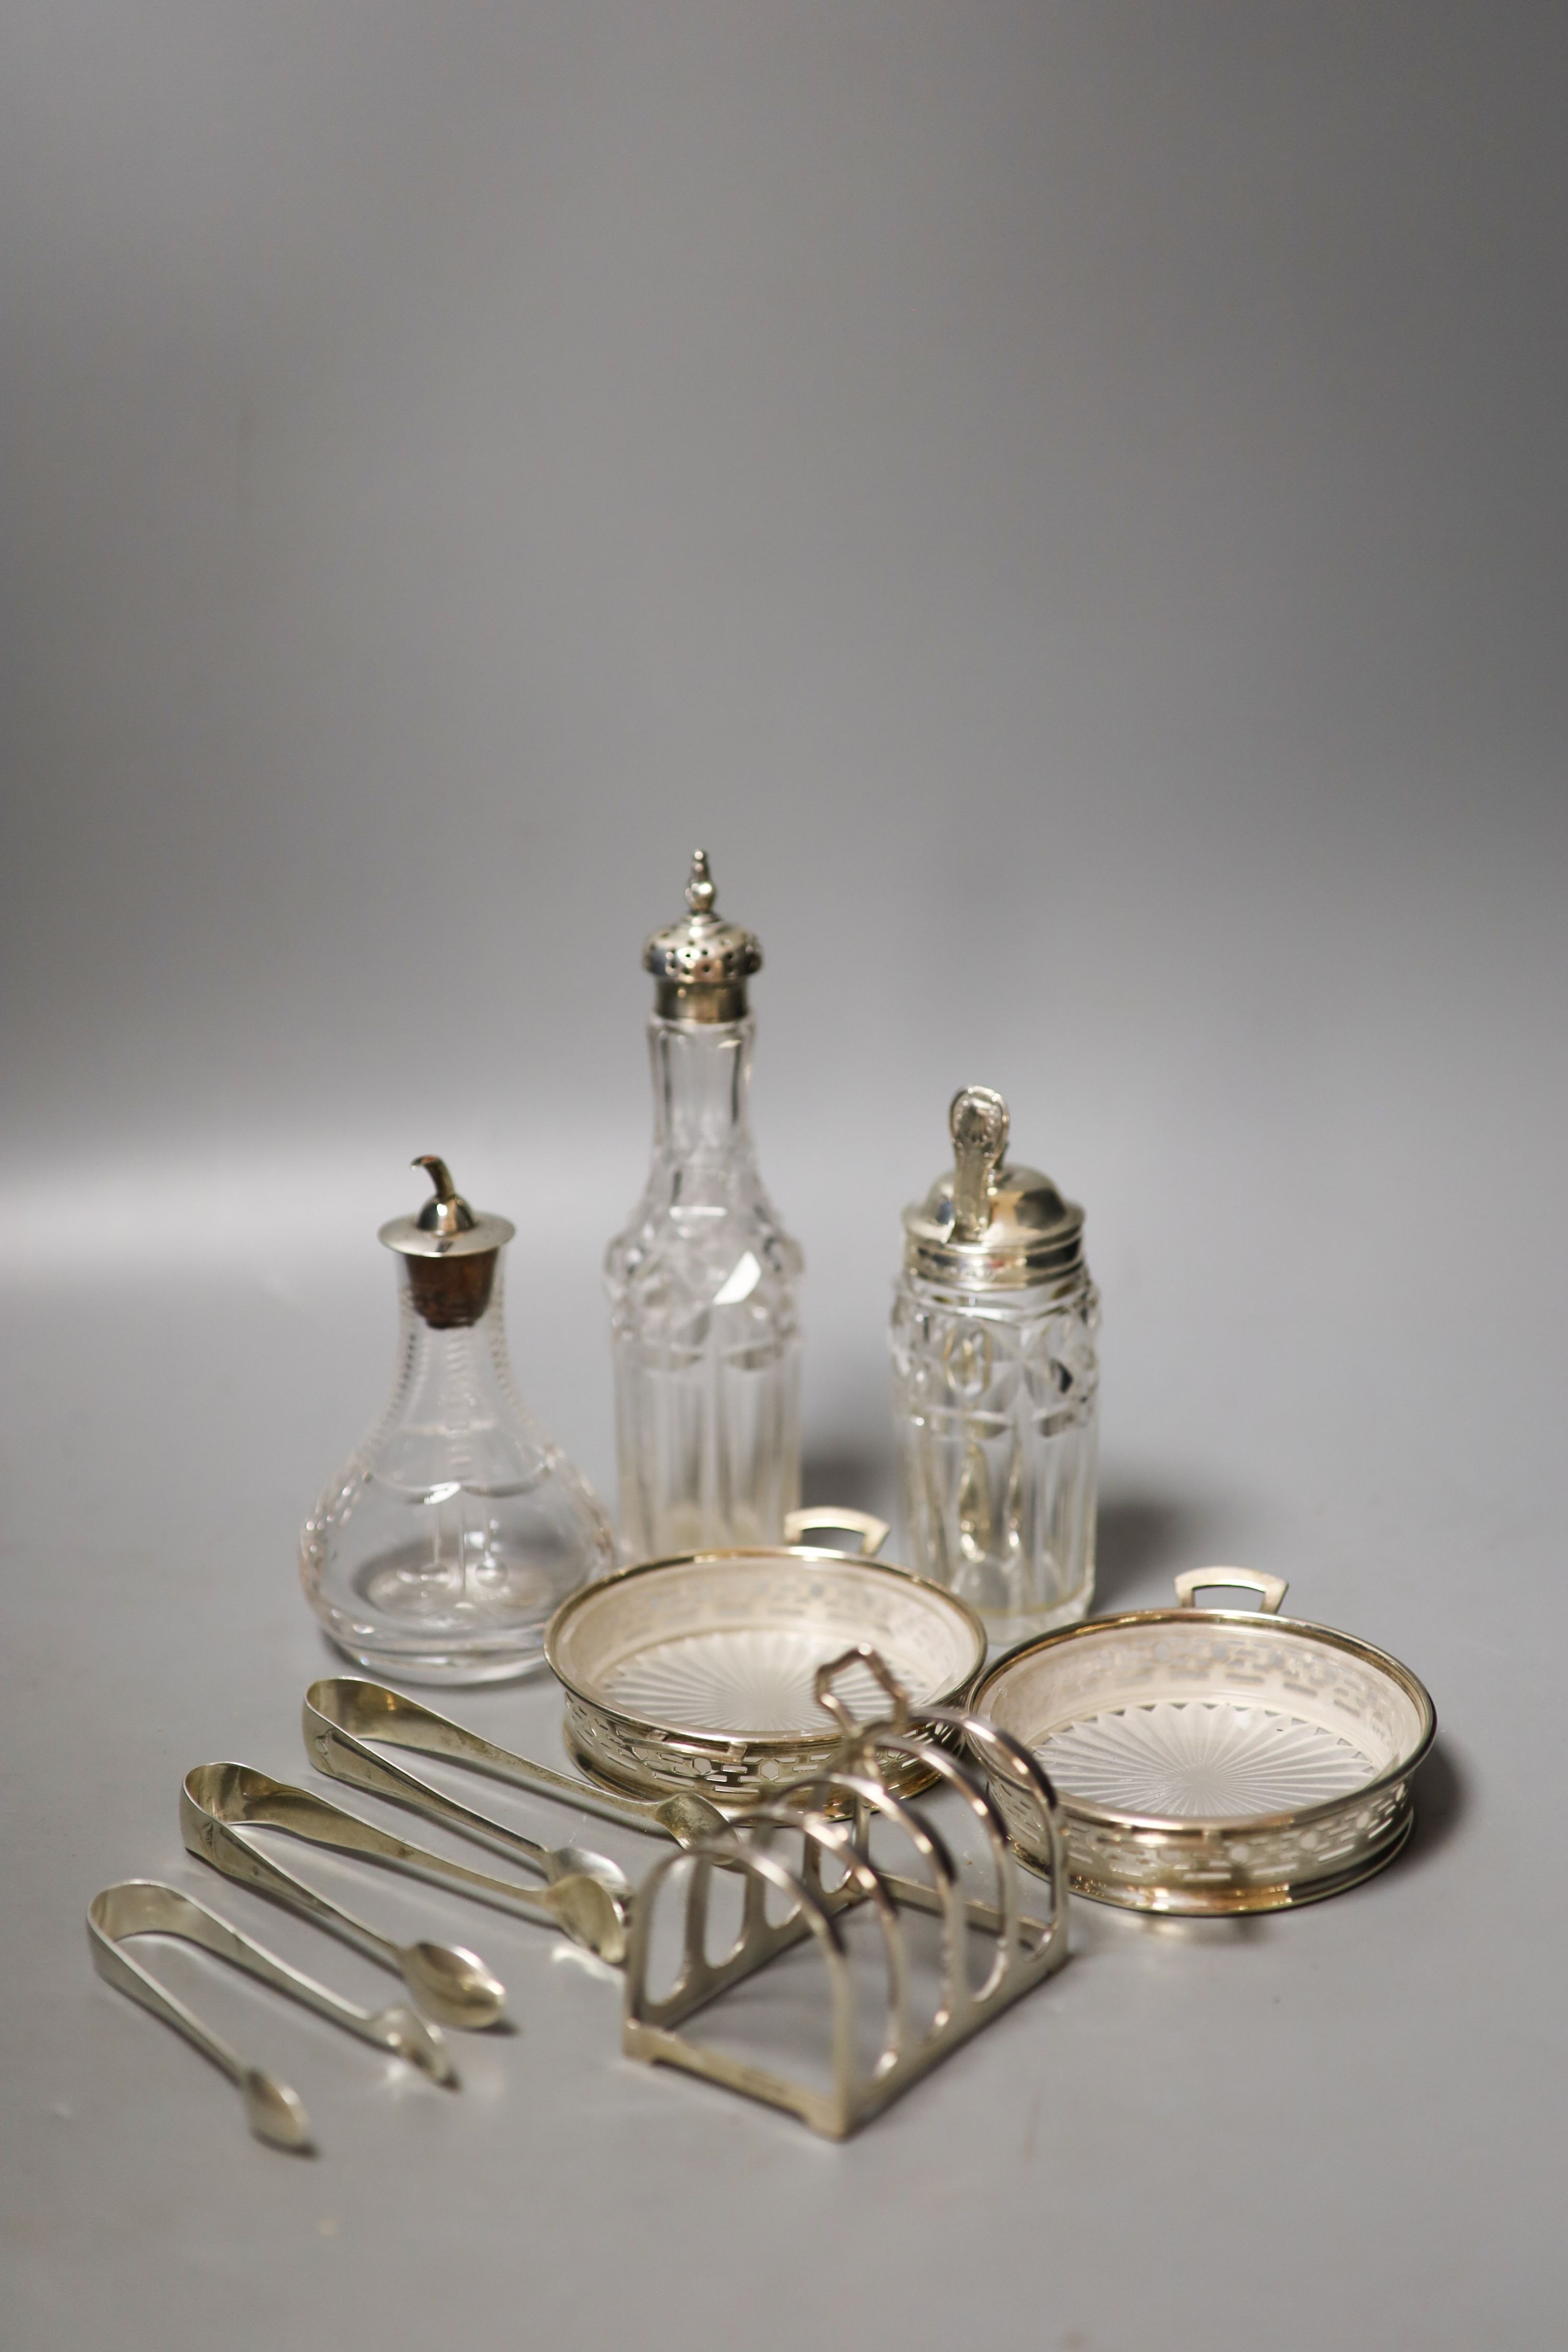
point(440, 1550)
point(702, 1283)
point(996, 1380)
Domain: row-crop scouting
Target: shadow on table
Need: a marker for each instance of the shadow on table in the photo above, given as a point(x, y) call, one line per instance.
point(1443, 1793)
point(1139, 1534)
point(858, 1476)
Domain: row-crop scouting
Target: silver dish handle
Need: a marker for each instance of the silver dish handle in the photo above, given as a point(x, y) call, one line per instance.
point(822, 1519)
point(1271, 1590)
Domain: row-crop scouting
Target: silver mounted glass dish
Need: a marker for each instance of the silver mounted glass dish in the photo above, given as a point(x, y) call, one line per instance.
point(1213, 1760)
point(699, 1671)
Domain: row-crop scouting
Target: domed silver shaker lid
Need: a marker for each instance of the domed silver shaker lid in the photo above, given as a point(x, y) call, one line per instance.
point(702, 963)
point(988, 1224)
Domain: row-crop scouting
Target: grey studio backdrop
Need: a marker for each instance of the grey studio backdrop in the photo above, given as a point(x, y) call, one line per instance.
point(1067, 504)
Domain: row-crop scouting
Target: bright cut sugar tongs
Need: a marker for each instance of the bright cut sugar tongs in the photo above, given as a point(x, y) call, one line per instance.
point(142, 1906)
point(343, 1712)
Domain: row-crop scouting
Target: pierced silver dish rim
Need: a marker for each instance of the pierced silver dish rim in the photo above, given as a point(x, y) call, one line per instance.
point(1198, 1828)
point(713, 1742)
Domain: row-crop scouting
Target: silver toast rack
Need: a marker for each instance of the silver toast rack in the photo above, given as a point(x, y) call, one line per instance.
point(828, 1821)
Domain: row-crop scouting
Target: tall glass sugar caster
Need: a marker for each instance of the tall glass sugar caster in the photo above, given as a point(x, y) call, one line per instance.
point(996, 1382)
point(442, 1547)
point(702, 1281)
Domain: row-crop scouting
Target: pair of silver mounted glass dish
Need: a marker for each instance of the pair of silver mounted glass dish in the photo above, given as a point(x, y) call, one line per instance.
point(1206, 1760)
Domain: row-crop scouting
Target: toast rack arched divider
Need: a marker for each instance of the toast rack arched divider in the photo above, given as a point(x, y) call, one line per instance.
point(832, 1814)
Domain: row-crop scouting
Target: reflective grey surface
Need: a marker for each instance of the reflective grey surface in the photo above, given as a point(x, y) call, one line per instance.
point(1066, 506)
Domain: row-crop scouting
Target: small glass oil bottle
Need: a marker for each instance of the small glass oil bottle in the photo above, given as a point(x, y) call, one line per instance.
point(441, 1549)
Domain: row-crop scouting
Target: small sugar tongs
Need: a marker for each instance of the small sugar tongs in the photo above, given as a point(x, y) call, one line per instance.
point(342, 1713)
point(220, 1803)
point(142, 1906)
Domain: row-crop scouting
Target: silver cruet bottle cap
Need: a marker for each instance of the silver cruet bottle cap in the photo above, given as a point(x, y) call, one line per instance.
point(702, 965)
point(987, 1225)
point(450, 1250)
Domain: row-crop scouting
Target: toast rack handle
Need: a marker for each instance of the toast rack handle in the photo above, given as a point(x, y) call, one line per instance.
point(822, 1518)
point(876, 1665)
point(1271, 1590)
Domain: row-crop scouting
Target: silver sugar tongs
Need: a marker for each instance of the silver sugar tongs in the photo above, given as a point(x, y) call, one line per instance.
point(343, 1712)
point(142, 1906)
point(221, 1802)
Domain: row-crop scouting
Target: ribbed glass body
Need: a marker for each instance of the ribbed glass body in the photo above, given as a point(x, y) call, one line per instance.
point(995, 1397)
point(703, 1326)
point(443, 1545)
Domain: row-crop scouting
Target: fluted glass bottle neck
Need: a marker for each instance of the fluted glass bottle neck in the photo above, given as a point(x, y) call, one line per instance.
point(452, 1378)
point(702, 1077)
point(702, 1292)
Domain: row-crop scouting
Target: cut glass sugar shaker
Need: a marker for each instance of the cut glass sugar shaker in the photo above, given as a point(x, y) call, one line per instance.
point(441, 1549)
point(702, 1283)
point(995, 1383)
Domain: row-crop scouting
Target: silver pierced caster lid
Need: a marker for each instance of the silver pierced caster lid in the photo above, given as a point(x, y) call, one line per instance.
point(987, 1225)
point(702, 965)
point(451, 1250)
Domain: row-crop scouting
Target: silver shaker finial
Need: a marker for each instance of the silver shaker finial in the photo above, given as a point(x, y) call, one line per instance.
point(447, 1212)
point(977, 1122)
point(701, 890)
